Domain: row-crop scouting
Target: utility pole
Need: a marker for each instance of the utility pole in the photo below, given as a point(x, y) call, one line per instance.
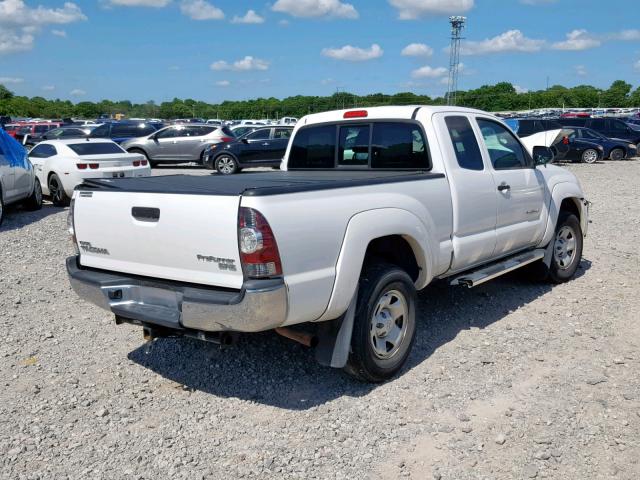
point(457, 25)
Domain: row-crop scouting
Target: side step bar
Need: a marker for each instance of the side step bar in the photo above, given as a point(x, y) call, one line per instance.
point(484, 274)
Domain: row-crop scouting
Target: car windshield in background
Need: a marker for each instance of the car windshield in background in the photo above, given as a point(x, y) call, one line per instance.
point(227, 131)
point(89, 148)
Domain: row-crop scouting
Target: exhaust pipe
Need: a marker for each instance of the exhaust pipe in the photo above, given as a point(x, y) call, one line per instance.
point(302, 338)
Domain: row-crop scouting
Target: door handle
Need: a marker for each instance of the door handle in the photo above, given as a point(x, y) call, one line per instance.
point(503, 186)
point(266, 144)
point(174, 142)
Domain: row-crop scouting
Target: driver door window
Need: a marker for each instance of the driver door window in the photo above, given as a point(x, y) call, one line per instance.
point(168, 133)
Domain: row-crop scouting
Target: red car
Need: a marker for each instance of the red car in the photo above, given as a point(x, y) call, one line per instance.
point(13, 128)
point(34, 129)
point(575, 115)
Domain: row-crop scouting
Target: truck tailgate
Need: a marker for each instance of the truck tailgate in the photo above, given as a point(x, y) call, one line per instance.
point(187, 238)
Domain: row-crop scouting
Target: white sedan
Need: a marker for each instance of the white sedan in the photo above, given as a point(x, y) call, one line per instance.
point(60, 165)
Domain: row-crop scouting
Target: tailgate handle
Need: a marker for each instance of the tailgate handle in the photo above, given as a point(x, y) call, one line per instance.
point(145, 214)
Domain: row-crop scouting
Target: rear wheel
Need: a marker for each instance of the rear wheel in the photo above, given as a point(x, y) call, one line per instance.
point(34, 202)
point(56, 191)
point(616, 154)
point(226, 165)
point(589, 155)
point(384, 325)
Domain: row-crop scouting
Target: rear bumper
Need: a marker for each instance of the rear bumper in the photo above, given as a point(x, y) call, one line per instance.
point(260, 305)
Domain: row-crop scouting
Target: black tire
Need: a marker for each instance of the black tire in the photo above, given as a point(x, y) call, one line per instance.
point(57, 193)
point(226, 164)
point(616, 154)
point(590, 155)
point(34, 202)
point(377, 283)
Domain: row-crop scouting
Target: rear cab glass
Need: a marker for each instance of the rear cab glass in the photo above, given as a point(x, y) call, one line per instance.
point(89, 148)
point(375, 145)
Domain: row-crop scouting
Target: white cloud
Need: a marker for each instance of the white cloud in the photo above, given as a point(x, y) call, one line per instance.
point(251, 17)
point(520, 89)
point(48, 88)
point(578, 40)
point(626, 35)
point(354, 54)
point(11, 80)
point(429, 72)
point(77, 92)
point(174, 68)
point(200, 10)
point(509, 41)
point(283, 23)
point(223, 83)
point(327, 81)
point(244, 65)
point(413, 9)
point(316, 8)
point(59, 33)
point(581, 70)
point(417, 50)
point(636, 66)
point(141, 3)
point(19, 23)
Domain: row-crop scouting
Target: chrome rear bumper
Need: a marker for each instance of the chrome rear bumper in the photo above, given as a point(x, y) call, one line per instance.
point(260, 304)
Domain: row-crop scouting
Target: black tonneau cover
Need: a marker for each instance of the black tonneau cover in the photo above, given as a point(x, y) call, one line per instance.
point(254, 184)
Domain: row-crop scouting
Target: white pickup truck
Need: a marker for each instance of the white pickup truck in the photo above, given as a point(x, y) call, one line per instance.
point(370, 206)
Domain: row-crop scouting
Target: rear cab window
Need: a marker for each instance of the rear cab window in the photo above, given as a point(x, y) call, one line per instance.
point(101, 148)
point(375, 145)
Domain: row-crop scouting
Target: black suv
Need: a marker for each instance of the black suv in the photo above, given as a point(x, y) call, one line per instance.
point(263, 147)
point(609, 127)
point(523, 127)
point(121, 131)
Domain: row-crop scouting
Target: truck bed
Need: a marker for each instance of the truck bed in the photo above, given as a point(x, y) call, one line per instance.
point(255, 184)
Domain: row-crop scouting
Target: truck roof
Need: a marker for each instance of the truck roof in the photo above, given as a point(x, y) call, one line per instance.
point(401, 112)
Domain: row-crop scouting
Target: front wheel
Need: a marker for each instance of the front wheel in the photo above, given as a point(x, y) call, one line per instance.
point(226, 165)
point(616, 154)
point(56, 191)
point(589, 155)
point(385, 324)
point(34, 202)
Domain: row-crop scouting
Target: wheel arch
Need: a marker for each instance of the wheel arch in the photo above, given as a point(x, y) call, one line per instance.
point(568, 197)
point(368, 237)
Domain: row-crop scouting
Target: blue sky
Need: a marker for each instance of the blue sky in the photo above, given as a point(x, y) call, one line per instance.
point(214, 50)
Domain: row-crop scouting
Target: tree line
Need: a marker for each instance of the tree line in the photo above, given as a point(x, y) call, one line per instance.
point(502, 96)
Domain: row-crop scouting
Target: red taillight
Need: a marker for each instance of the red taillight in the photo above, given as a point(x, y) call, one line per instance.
point(144, 163)
point(94, 166)
point(356, 114)
point(81, 166)
point(258, 248)
point(136, 163)
point(227, 139)
point(565, 140)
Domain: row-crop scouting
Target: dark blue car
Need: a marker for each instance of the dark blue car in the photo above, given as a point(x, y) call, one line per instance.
point(123, 130)
point(613, 148)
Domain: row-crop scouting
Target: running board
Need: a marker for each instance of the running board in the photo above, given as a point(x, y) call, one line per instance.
point(477, 277)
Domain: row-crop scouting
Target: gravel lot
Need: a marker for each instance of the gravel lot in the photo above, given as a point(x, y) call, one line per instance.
point(511, 380)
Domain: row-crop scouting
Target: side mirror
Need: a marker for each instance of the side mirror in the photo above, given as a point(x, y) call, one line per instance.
point(542, 155)
point(245, 141)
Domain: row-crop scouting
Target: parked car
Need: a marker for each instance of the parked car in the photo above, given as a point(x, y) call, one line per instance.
point(263, 147)
point(121, 131)
point(4, 120)
point(58, 134)
point(569, 147)
point(12, 129)
point(178, 143)
point(613, 148)
point(18, 181)
point(373, 205)
point(60, 165)
point(609, 127)
point(524, 127)
point(29, 130)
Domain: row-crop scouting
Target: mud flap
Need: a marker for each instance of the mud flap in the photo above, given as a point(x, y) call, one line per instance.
point(548, 253)
point(334, 338)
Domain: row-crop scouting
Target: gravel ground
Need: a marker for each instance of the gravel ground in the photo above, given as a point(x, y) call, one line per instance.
point(511, 380)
